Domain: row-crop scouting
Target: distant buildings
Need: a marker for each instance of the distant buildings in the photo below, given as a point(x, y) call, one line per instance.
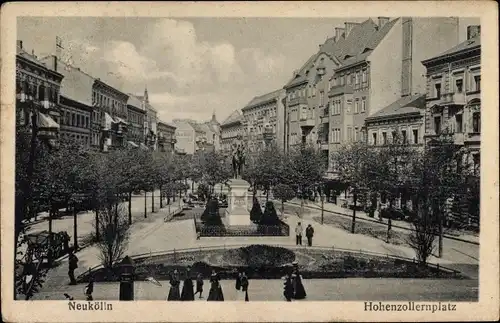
point(264, 110)
point(166, 137)
point(136, 119)
point(232, 131)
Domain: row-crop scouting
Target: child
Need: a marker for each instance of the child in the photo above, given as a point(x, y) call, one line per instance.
point(199, 285)
point(89, 289)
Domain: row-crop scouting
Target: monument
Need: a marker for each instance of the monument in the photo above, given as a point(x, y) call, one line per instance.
point(237, 210)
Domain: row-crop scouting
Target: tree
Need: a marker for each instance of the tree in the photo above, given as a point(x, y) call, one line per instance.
point(352, 162)
point(421, 239)
point(304, 168)
point(283, 193)
point(268, 168)
point(256, 211)
point(115, 235)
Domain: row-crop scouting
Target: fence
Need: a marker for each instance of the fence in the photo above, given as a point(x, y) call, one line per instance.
point(203, 230)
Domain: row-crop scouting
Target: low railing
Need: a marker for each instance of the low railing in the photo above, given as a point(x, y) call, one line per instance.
point(204, 230)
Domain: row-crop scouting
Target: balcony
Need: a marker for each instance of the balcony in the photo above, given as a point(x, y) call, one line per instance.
point(341, 89)
point(453, 99)
point(297, 101)
point(307, 121)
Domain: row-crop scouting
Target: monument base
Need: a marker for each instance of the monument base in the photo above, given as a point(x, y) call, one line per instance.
point(237, 211)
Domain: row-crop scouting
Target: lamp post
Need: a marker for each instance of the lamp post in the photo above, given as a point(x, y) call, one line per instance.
point(127, 279)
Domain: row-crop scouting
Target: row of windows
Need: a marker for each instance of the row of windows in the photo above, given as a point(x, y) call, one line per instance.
point(39, 92)
point(455, 125)
point(358, 79)
point(82, 139)
point(107, 102)
point(261, 113)
point(135, 117)
point(471, 81)
point(75, 119)
point(405, 137)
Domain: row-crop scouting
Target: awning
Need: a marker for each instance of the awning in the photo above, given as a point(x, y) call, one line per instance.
point(46, 122)
point(120, 120)
point(133, 144)
point(108, 120)
point(143, 146)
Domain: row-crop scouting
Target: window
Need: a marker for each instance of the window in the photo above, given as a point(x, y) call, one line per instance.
point(348, 79)
point(459, 84)
point(73, 120)
point(321, 98)
point(403, 135)
point(437, 125)
point(477, 83)
point(349, 134)
point(384, 138)
point(476, 160)
point(437, 93)
point(348, 107)
point(356, 106)
point(357, 78)
point(342, 80)
point(356, 134)
point(415, 136)
point(394, 136)
point(458, 122)
point(374, 138)
point(364, 76)
point(363, 104)
point(335, 81)
point(476, 122)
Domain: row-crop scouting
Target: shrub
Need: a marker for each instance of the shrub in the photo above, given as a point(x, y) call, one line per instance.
point(212, 216)
point(270, 217)
point(259, 256)
point(256, 212)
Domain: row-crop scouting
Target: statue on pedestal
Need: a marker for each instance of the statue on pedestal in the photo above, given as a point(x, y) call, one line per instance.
point(238, 161)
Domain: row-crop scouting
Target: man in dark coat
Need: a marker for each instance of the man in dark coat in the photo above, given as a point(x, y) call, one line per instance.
point(187, 293)
point(73, 264)
point(309, 234)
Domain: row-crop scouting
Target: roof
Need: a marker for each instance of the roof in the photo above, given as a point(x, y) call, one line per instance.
point(360, 42)
point(463, 46)
point(262, 99)
point(166, 124)
point(405, 105)
point(76, 85)
point(196, 126)
point(233, 117)
point(210, 127)
point(134, 101)
point(24, 54)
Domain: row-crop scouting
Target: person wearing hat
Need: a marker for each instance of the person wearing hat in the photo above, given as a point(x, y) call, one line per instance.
point(309, 234)
point(174, 294)
point(299, 291)
point(288, 287)
point(199, 285)
point(187, 287)
point(244, 286)
point(215, 293)
point(298, 234)
point(73, 264)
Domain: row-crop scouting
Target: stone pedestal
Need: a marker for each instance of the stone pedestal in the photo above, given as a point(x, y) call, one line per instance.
point(237, 211)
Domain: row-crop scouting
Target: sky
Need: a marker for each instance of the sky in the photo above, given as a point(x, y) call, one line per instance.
point(192, 67)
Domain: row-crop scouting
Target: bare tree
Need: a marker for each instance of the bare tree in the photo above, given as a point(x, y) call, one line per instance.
point(424, 234)
point(114, 238)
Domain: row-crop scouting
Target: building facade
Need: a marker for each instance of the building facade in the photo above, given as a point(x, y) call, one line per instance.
point(151, 122)
point(362, 77)
point(166, 137)
point(262, 111)
point(232, 131)
point(37, 95)
point(403, 118)
point(185, 136)
point(212, 132)
point(136, 121)
point(75, 102)
point(454, 95)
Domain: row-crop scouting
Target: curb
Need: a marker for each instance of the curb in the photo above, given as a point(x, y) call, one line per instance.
point(373, 221)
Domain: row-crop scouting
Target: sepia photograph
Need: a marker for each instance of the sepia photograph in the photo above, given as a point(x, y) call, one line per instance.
point(194, 158)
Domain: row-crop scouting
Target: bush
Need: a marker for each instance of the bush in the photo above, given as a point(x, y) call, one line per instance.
point(259, 256)
point(270, 217)
point(211, 215)
point(256, 212)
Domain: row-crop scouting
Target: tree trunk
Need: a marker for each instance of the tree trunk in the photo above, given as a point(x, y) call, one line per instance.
point(49, 253)
point(116, 215)
point(161, 199)
point(153, 201)
point(267, 194)
point(97, 224)
point(145, 204)
point(353, 226)
point(130, 208)
point(75, 230)
point(440, 241)
point(322, 208)
point(192, 186)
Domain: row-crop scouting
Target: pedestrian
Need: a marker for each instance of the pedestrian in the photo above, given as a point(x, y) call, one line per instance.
point(173, 293)
point(187, 287)
point(389, 228)
point(244, 285)
point(309, 234)
point(299, 291)
point(89, 289)
point(298, 234)
point(215, 293)
point(238, 282)
point(288, 287)
point(199, 285)
point(73, 264)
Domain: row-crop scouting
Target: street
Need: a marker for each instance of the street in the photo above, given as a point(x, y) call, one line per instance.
point(347, 289)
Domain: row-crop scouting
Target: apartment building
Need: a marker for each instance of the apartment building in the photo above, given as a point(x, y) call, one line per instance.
point(454, 95)
point(265, 111)
point(185, 135)
point(136, 119)
point(166, 137)
point(372, 65)
point(232, 131)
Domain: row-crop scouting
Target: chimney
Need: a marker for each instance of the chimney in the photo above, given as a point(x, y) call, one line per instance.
point(348, 27)
point(473, 31)
point(338, 33)
point(20, 44)
point(382, 21)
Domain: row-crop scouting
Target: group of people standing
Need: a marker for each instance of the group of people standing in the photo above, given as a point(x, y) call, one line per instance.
point(293, 286)
point(187, 293)
point(298, 234)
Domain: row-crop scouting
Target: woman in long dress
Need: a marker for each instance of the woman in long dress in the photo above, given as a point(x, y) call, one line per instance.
point(288, 287)
point(188, 288)
point(173, 294)
point(244, 286)
point(215, 293)
point(299, 291)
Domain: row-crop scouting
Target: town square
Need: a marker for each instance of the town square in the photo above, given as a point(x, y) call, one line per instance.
point(190, 159)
